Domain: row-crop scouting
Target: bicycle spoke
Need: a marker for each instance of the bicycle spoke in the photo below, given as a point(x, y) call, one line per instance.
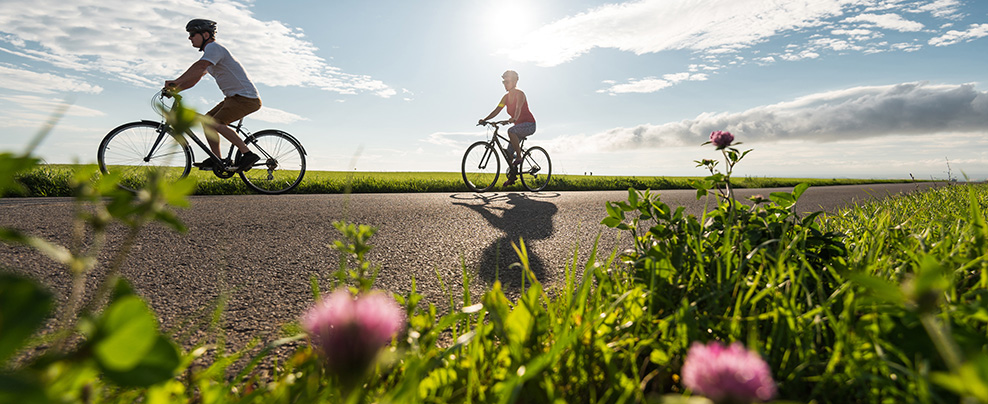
point(126, 149)
point(281, 166)
point(480, 167)
point(536, 169)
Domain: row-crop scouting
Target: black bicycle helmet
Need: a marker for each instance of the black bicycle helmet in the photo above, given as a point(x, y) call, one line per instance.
point(200, 25)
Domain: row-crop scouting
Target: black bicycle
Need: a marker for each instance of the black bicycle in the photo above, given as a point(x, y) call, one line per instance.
point(138, 148)
point(481, 166)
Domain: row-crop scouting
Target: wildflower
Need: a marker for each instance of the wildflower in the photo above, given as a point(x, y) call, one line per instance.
point(350, 331)
point(721, 138)
point(727, 374)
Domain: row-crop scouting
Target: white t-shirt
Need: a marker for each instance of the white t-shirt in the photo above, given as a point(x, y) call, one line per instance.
point(228, 72)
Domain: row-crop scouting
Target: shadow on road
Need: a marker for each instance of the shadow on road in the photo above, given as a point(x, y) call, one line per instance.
point(527, 217)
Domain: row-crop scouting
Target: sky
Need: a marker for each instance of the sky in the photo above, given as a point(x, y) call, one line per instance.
point(815, 88)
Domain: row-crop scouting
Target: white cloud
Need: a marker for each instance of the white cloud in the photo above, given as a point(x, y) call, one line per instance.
point(649, 26)
point(941, 8)
point(952, 37)
point(14, 78)
point(272, 115)
point(651, 84)
point(886, 21)
point(717, 27)
point(794, 56)
point(855, 113)
point(144, 43)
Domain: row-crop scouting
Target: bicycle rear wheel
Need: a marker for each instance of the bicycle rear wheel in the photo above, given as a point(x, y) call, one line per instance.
point(480, 167)
point(536, 169)
point(136, 150)
point(282, 163)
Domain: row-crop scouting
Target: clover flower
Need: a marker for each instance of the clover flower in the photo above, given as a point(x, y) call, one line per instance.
point(727, 374)
point(350, 331)
point(721, 138)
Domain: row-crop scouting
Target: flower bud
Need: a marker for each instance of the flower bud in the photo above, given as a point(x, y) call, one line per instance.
point(721, 138)
point(350, 331)
point(732, 374)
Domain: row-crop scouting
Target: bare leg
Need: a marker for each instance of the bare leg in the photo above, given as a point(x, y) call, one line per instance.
point(515, 145)
point(228, 133)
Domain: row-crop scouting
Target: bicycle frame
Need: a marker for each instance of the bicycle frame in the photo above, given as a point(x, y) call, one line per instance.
point(164, 128)
point(496, 141)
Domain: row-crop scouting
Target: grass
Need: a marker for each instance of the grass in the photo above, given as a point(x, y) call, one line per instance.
point(53, 180)
point(884, 302)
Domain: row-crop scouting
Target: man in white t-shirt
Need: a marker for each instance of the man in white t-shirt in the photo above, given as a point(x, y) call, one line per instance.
point(240, 94)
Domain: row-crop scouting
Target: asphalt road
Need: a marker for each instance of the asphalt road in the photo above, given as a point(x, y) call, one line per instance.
point(264, 250)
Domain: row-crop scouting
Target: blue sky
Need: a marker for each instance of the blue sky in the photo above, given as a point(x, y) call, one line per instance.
point(818, 88)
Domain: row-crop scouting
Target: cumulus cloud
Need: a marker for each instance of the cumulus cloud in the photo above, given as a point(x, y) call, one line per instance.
point(13, 78)
point(855, 113)
point(144, 43)
point(651, 84)
point(715, 27)
point(952, 37)
point(649, 26)
point(886, 21)
point(273, 115)
point(940, 8)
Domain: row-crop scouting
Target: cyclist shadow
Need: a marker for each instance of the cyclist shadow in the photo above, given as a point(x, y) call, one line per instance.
point(524, 218)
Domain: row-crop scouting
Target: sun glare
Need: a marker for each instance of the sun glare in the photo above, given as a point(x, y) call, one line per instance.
point(510, 20)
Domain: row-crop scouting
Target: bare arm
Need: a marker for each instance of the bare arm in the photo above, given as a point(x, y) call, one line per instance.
point(190, 77)
point(497, 110)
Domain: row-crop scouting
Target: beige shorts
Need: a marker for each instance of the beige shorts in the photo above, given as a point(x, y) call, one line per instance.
point(232, 109)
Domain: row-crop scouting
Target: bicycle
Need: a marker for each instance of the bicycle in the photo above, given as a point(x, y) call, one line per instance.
point(136, 149)
point(481, 166)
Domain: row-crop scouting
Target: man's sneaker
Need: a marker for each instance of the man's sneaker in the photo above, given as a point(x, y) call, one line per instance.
point(206, 165)
point(509, 182)
point(246, 161)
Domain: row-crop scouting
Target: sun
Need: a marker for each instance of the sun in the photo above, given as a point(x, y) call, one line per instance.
point(510, 20)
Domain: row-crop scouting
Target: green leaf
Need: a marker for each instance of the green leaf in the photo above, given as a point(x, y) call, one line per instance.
point(127, 332)
point(799, 189)
point(519, 325)
point(783, 199)
point(24, 306)
point(611, 222)
point(879, 288)
point(614, 210)
point(155, 366)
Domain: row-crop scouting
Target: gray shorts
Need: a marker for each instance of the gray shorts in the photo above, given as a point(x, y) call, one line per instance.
point(522, 130)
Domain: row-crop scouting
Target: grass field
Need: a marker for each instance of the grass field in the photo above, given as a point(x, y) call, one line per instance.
point(54, 180)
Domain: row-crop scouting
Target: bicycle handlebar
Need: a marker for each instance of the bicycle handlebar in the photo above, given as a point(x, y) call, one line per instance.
point(493, 123)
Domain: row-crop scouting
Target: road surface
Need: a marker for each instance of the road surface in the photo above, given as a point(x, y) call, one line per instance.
point(264, 250)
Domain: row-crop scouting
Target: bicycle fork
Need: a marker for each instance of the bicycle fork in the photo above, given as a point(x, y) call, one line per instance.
point(162, 131)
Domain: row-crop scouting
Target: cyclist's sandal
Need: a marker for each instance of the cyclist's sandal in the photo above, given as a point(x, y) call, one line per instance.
point(246, 161)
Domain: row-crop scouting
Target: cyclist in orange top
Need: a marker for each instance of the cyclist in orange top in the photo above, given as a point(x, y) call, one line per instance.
point(521, 117)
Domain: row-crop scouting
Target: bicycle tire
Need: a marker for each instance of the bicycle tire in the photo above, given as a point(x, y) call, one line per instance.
point(282, 164)
point(476, 168)
point(127, 150)
point(536, 169)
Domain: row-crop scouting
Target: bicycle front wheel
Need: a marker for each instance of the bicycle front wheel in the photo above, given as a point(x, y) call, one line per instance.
point(138, 149)
point(282, 163)
point(536, 169)
point(480, 167)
